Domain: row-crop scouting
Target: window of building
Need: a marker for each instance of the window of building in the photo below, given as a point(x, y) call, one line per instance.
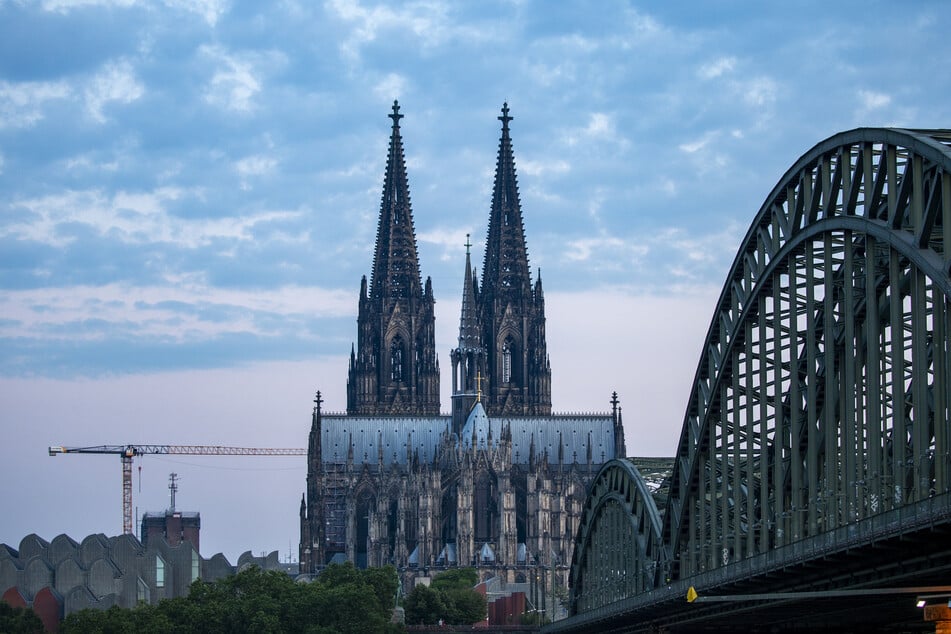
point(142, 591)
point(396, 360)
point(159, 572)
point(507, 361)
point(196, 566)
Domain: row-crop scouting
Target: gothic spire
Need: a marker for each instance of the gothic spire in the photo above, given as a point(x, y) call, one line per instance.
point(395, 263)
point(395, 369)
point(469, 337)
point(505, 272)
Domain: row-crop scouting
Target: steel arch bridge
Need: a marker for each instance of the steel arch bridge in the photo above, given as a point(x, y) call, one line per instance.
point(815, 454)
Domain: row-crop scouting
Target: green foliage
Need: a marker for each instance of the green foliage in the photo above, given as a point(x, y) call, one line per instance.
point(18, 620)
point(385, 583)
point(449, 598)
point(456, 578)
point(343, 600)
point(534, 618)
point(424, 606)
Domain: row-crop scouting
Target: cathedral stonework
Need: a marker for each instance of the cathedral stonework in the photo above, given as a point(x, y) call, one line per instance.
point(499, 483)
point(393, 370)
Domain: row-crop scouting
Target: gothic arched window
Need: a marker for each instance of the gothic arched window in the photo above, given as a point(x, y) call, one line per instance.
point(365, 505)
point(507, 360)
point(396, 360)
point(485, 509)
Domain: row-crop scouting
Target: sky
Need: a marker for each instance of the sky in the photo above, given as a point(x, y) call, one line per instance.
point(189, 192)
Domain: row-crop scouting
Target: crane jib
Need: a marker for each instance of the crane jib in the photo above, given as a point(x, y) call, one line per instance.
point(127, 452)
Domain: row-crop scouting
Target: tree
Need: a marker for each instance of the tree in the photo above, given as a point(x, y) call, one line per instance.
point(424, 606)
point(18, 620)
point(385, 583)
point(450, 598)
point(458, 578)
point(345, 601)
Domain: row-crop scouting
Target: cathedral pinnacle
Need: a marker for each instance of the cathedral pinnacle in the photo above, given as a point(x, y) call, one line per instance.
point(505, 118)
point(396, 116)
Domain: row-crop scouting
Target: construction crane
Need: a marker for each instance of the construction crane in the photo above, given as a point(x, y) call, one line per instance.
point(127, 452)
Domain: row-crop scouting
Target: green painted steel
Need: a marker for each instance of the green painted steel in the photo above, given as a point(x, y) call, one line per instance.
point(820, 412)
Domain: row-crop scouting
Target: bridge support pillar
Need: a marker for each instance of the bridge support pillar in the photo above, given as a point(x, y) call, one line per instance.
point(940, 615)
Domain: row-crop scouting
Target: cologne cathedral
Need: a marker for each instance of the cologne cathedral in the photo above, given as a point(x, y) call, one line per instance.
point(497, 484)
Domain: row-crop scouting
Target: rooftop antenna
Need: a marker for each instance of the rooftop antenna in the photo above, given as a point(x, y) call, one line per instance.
point(172, 488)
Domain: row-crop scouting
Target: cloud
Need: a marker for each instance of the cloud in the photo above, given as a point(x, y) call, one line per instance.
point(116, 82)
point(210, 10)
point(429, 23)
point(130, 217)
point(64, 6)
point(600, 127)
point(760, 91)
point(256, 165)
point(717, 67)
point(21, 104)
point(539, 168)
point(693, 256)
point(582, 249)
point(699, 144)
point(234, 83)
point(871, 100)
point(706, 152)
point(188, 309)
point(87, 162)
point(369, 21)
point(451, 241)
point(391, 87)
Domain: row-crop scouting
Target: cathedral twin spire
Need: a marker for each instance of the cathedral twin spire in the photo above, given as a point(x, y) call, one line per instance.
point(395, 262)
point(512, 312)
point(393, 368)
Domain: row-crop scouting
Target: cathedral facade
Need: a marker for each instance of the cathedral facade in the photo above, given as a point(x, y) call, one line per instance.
point(498, 483)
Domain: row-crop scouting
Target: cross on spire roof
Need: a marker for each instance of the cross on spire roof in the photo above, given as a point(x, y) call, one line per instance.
point(468, 244)
point(505, 118)
point(396, 116)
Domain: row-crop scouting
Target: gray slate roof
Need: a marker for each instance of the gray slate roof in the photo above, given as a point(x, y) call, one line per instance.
point(573, 433)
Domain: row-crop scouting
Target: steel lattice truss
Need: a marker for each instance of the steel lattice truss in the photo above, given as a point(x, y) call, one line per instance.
point(618, 546)
point(819, 414)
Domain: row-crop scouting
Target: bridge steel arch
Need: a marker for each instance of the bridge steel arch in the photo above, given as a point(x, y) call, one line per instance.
point(819, 420)
point(619, 537)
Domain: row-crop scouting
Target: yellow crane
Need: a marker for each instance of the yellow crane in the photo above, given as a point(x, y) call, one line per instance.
point(127, 452)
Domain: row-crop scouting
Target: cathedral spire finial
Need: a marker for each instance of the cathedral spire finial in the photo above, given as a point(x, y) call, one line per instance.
point(468, 244)
point(396, 116)
point(505, 118)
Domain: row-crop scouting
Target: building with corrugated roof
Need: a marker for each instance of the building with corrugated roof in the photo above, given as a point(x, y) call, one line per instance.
point(499, 482)
point(64, 576)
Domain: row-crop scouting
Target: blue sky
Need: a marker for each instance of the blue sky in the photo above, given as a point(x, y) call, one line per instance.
point(189, 192)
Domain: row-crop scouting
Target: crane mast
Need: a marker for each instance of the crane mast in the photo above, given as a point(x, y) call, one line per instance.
point(127, 452)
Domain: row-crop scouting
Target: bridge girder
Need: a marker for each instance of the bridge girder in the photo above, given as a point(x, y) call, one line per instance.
point(819, 419)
